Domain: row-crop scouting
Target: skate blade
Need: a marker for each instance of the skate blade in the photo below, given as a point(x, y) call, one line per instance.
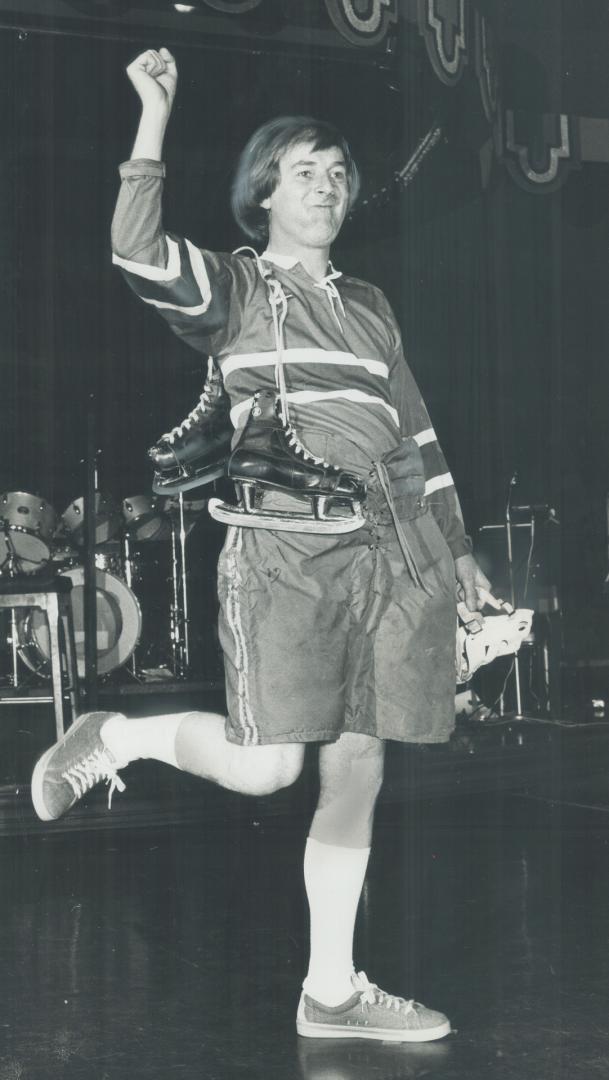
point(282, 521)
point(185, 483)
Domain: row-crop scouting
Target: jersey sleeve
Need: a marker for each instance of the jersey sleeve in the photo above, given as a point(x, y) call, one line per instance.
point(200, 294)
point(440, 492)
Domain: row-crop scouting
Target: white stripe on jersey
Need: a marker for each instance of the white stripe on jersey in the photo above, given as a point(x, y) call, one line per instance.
point(307, 397)
point(437, 482)
point(302, 356)
point(154, 273)
point(425, 437)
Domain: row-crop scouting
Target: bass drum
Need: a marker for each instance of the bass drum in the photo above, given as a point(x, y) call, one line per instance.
point(119, 625)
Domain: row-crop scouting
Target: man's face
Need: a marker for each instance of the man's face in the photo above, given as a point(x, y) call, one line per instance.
point(308, 206)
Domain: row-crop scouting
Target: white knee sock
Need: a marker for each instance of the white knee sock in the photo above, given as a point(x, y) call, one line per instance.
point(142, 737)
point(333, 879)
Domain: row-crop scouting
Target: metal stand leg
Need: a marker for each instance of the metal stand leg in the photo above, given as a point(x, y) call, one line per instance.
point(186, 631)
point(73, 687)
point(14, 647)
point(175, 597)
point(510, 559)
point(52, 610)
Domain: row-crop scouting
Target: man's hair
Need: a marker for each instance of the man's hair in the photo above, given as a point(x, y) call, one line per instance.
point(257, 172)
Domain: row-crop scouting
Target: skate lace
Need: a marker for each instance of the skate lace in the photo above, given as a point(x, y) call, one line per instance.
point(373, 995)
point(298, 448)
point(90, 771)
point(278, 303)
point(193, 417)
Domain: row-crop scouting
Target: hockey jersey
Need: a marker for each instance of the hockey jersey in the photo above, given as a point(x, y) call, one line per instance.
point(346, 375)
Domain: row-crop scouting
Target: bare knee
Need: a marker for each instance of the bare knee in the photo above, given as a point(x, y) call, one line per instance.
point(352, 766)
point(273, 768)
point(351, 775)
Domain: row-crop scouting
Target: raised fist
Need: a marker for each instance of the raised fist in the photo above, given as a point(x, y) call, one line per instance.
point(154, 76)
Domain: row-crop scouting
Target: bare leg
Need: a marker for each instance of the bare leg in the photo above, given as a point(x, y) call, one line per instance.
point(351, 777)
point(202, 749)
point(196, 743)
point(99, 744)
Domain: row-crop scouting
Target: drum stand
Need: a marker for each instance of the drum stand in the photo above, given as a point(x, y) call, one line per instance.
point(128, 568)
point(12, 564)
point(180, 641)
point(510, 561)
point(509, 527)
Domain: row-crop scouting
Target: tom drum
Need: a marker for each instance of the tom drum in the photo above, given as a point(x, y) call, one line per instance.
point(107, 519)
point(27, 524)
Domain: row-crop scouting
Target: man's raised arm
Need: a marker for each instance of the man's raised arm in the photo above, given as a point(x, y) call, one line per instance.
point(137, 232)
point(154, 76)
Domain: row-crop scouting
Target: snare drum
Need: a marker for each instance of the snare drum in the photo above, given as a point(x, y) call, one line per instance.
point(119, 625)
point(28, 523)
point(107, 519)
point(143, 519)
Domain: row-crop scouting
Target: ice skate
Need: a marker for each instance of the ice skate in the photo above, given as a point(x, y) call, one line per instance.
point(500, 635)
point(270, 457)
point(195, 451)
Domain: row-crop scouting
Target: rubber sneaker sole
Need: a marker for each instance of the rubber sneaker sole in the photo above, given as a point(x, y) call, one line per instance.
point(310, 1029)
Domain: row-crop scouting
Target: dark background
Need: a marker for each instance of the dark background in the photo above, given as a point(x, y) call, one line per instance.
point(501, 293)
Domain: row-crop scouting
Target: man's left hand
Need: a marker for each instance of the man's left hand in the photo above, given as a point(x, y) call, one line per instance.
point(474, 587)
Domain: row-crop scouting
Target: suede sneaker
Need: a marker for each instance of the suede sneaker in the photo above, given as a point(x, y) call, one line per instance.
point(72, 766)
point(370, 1013)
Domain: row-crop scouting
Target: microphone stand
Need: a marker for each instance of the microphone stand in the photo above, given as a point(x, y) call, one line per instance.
point(186, 628)
point(179, 606)
point(510, 560)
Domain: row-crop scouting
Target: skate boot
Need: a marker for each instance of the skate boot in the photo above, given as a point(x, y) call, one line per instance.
point(270, 457)
point(195, 451)
point(499, 635)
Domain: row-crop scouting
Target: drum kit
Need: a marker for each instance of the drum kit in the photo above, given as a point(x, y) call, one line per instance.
point(139, 546)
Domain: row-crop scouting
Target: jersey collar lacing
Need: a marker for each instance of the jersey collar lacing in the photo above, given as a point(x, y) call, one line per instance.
point(288, 262)
point(278, 302)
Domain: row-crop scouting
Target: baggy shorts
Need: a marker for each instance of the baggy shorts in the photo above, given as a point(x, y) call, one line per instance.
point(327, 634)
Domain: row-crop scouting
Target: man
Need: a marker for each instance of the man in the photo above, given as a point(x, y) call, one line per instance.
point(341, 639)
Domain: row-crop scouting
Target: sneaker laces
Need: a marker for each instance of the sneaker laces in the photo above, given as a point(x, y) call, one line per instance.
point(193, 417)
point(371, 994)
point(94, 768)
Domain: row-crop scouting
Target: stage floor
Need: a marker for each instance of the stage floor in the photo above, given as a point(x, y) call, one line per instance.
point(178, 951)
point(168, 937)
